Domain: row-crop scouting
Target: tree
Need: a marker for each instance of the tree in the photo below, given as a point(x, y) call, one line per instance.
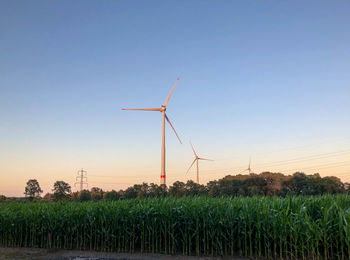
point(131, 192)
point(254, 186)
point(232, 187)
point(111, 195)
point(143, 191)
point(96, 193)
point(84, 195)
point(96, 190)
point(32, 190)
point(75, 196)
point(61, 190)
point(178, 189)
point(213, 189)
point(2, 198)
point(274, 182)
point(157, 191)
point(332, 185)
point(48, 197)
point(347, 187)
point(194, 189)
point(299, 184)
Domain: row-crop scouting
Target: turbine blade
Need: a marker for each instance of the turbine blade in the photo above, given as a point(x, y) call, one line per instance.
point(243, 171)
point(205, 159)
point(191, 165)
point(171, 92)
point(142, 109)
point(166, 117)
point(193, 150)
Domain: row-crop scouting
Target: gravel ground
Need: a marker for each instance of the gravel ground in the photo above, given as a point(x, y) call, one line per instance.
point(53, 254)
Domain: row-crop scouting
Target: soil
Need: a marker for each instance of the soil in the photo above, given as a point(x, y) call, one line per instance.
point(56, 254)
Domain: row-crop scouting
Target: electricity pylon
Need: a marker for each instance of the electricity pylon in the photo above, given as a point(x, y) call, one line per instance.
point(83, 179)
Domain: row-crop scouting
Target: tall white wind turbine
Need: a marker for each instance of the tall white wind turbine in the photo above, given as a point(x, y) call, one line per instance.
point(162, 109)
point(196, 159)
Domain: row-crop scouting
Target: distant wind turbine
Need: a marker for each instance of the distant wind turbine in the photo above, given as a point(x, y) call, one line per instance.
point(196, 159)
point(248, 169)
point(162, 109)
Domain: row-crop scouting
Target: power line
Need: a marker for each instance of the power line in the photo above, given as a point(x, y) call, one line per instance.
point(343, 174)
point(114, 183)
point(307, 158)
point(109, 176)
point(300, 148)
point(266, 165)
point(289, 161)
point(324, 166)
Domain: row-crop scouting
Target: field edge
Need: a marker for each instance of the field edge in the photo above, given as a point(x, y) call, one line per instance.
point(14, 253)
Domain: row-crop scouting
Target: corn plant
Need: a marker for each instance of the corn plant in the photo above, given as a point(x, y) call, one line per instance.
point(257, 227)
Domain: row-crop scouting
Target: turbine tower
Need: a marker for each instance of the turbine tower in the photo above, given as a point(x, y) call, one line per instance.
point(162, 109)
point(196, 159)
point(249, 169)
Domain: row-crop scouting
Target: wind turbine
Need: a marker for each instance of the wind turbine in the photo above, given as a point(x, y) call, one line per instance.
point(248, 169)
point(162, 109)
point(196, 159)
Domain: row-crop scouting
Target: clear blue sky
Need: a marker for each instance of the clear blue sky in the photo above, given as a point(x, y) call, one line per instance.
point(255, 76)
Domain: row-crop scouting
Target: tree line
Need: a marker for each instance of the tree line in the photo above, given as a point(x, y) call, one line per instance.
point(265, 184)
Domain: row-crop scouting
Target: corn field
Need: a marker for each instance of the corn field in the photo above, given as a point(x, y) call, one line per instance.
point(257, 227)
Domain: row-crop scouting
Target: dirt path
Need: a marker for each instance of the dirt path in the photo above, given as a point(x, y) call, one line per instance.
point(40, 254)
